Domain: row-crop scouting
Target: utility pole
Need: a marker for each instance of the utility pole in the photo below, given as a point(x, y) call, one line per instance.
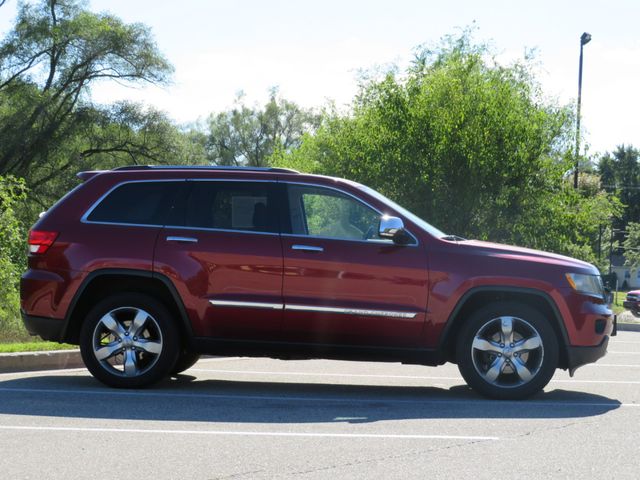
point(584, 39)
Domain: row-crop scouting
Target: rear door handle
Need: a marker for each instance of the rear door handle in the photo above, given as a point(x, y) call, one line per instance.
point(307, 248)
point(182, 239)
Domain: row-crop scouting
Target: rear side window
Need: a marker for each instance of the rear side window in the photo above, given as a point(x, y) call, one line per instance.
point(242, 206)
point(141, 203)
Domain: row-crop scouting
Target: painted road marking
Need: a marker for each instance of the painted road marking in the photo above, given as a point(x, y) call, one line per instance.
point(249, 433)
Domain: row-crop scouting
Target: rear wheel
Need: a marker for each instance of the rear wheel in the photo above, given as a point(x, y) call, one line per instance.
point(507, 351)
point(129, 341)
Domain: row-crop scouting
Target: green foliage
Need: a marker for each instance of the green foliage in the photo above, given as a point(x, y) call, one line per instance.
point(631, 245)
point(467, 144)
point(620, 174)
point(249, 135)
point(12, 257)
point(49, 127)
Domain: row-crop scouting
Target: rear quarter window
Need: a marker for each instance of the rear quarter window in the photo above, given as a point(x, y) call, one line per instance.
point(141, 203)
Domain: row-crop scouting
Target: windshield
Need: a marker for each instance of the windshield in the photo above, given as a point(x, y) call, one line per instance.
point(404, 212)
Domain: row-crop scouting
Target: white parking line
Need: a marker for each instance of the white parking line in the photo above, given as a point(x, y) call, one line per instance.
point(591, 365)
point(249, 433)
point(318, 400)
point(609, 352)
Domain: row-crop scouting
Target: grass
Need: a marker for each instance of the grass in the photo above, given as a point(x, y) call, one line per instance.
point(618, 298)
point(34, 346)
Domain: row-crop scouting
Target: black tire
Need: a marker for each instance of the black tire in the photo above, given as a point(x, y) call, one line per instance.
point(129, 340)
point(519, 369)
point(635, 313)
point(185, 361)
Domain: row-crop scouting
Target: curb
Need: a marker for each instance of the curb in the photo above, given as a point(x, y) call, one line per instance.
point(629, 327)
point(31, 361)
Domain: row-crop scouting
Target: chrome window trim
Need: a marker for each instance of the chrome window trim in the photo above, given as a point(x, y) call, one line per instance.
point(84, 218)
point(373, 241)
point(357, 199)
point(223, 230)
point(237, 303)
point(366, 312)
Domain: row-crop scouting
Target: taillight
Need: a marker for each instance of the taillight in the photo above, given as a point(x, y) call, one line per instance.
point(40, 241)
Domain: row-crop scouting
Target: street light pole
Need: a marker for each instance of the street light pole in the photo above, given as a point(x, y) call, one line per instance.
point(584, 39)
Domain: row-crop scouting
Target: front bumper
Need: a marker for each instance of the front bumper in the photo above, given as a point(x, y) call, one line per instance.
point(47, 328)
point(579, 356)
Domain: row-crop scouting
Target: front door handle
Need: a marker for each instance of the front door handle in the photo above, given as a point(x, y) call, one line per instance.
point(307, 248)
point(182, 239)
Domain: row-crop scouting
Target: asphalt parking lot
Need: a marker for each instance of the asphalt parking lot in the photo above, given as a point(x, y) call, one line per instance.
point(262, 418)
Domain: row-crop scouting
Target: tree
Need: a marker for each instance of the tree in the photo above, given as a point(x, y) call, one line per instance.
point(620, 174)
point(48, 63)
point(468, 144)
point(631, 245)
point(250, 135)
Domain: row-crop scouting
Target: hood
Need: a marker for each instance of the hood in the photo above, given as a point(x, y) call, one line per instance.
point(528, 254)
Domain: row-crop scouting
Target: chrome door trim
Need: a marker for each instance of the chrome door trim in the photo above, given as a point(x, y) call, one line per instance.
point(351, 311)
point(307, 248)
point(236, 303)
point(313, 308)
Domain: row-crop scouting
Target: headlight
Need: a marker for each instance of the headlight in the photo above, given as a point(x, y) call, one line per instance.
point(589, 284)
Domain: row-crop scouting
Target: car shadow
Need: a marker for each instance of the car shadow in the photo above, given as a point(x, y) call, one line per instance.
point(184, 398)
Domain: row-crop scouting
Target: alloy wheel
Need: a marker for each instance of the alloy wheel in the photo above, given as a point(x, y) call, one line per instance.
point(507, 352)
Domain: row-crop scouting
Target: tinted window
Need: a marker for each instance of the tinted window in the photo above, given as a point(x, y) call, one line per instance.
point(249, 206)
point(321, 212)
point(142, 203)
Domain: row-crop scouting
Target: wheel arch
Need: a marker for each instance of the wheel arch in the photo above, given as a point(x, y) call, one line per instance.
point(479, 296)
point(102, 283)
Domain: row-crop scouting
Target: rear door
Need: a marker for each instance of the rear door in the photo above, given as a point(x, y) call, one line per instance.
point(221, 246)
point(342, 283)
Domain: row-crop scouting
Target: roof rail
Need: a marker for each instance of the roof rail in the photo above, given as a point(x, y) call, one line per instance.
point(207, 167)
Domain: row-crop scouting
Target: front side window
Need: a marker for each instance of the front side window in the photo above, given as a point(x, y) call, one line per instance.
point(242, 206)
point(136, 203)
point(322, 212)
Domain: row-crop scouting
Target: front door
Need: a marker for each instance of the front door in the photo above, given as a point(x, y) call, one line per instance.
point(343, 284)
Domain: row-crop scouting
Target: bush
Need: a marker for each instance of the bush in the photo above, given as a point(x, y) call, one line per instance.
point(12, 257)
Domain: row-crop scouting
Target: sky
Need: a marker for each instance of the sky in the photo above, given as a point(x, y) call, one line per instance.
point(314, 51)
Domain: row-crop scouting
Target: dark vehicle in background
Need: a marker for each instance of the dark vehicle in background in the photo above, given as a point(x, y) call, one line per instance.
point(632, 302)
point(146, 268)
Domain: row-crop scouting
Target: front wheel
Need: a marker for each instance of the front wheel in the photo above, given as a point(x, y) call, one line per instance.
point(129, 341)
point(507, 351)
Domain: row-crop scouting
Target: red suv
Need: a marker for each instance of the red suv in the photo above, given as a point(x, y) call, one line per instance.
point(146, 268)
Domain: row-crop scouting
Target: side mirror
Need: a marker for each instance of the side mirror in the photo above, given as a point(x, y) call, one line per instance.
point(393, 228)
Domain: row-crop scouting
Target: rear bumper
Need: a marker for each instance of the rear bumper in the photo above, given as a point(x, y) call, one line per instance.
point(579, 356)
point(47, 328)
